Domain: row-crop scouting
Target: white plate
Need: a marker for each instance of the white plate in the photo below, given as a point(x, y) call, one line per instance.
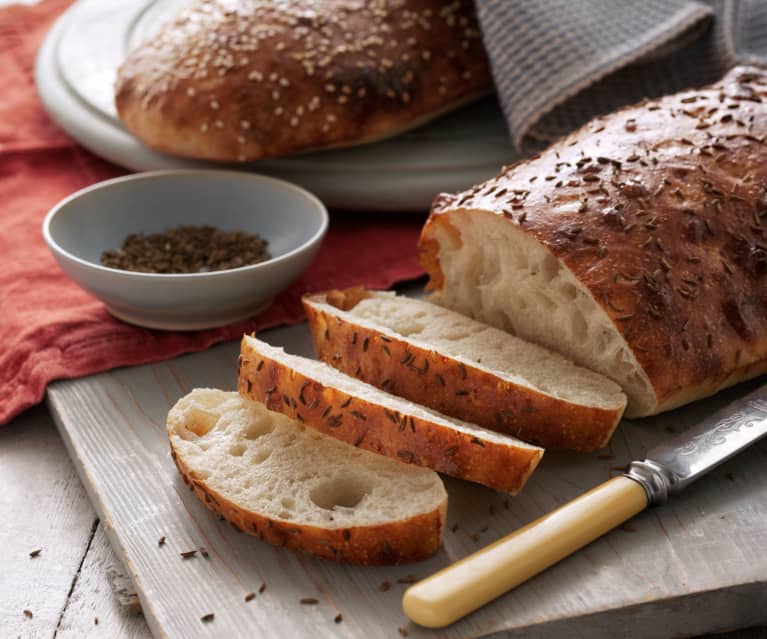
point(75, 75)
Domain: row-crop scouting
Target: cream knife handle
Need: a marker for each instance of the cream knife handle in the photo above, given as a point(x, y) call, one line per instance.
point(459, 589)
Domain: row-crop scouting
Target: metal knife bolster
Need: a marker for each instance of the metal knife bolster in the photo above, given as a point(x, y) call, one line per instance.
point(670, 467)
point(658, 482)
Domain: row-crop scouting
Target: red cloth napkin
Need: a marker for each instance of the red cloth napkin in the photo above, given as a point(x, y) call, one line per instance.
point(51, 329)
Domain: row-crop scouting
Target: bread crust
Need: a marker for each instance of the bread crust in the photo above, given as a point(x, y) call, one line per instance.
point(397, 542)
point(238, 82)
point(467, 392)
point(408, 438)
point(659, 210)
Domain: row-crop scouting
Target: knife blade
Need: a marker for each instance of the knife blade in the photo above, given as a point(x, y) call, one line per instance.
point(679, 461)
point(470, 583)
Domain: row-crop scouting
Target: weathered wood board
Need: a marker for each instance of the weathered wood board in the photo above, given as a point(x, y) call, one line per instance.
point(696, 565)
point(42, 507)
point(93, 609)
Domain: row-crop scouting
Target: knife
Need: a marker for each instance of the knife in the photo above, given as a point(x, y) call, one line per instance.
point(461, 588)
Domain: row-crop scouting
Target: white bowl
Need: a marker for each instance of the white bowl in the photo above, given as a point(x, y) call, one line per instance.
point(79, 228)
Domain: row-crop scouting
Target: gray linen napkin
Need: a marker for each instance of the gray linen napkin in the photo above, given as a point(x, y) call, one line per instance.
point(558, 63)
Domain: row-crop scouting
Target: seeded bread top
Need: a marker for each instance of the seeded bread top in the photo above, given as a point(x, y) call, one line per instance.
point(659, 210)
point(240, 81)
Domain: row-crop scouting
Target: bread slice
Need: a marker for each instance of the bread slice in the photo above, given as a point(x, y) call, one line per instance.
point(464, 368)
point(294, 487)
point(360, 414)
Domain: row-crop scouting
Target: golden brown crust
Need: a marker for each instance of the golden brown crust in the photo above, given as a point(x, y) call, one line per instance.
point(242, 81)
point(451, 387)
point(397, 542)
point(408, 438)
point(659, 210)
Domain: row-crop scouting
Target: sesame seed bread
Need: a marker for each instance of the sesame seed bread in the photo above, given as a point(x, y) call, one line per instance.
point(634, 246)
point(252, 79)
point(325, 399)
point(461, 367)
point(294, 487)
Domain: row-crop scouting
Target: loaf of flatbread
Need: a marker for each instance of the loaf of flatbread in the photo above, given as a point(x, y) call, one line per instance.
point(246, 80)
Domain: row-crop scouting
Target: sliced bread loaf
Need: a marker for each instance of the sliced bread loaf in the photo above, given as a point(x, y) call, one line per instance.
point(464, 368)
point(334, 403)
point(634, 246)
point(294, 487)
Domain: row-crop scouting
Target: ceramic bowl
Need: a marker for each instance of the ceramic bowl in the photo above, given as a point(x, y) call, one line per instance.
point(98, 218)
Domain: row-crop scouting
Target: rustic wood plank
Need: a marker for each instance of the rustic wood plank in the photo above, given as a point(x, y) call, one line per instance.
point(696, 565)
point(745, 633)
point(42, 506)
point(93, 609)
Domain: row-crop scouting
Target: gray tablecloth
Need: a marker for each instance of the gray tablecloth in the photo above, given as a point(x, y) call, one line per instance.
point(557, 63)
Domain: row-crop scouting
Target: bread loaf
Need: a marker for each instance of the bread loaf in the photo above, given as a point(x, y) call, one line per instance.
point(335, 404)
point(635, 246)
point(461, 367)
point(293, 487)
point(251, 79)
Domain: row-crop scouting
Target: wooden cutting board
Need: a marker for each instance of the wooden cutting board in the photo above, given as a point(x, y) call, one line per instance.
point(696, 565)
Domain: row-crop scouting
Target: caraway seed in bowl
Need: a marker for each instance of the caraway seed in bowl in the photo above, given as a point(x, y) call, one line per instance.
point(187, 249)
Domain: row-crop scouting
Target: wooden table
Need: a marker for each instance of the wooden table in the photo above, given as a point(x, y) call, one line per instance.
point(66, 587)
